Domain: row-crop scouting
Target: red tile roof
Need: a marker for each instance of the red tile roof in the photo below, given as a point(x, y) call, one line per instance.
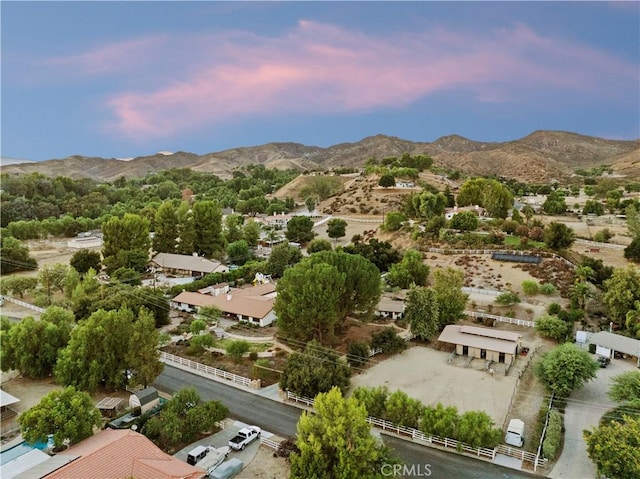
point(121, 454)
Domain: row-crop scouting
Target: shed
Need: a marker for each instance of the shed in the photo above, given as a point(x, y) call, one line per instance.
point(109, 406)
point(484, 343)
point(145, 399)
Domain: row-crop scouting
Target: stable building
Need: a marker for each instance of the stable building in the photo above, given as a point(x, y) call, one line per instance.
point(482, 343)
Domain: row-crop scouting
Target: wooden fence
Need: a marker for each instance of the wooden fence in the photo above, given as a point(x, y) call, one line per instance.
point(203, 368)
point(446, 442)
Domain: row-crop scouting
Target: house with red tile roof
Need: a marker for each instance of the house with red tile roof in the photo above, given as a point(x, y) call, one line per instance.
point(122, 454)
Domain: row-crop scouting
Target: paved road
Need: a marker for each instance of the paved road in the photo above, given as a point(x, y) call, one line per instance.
point(281, 419)
point(584, 410)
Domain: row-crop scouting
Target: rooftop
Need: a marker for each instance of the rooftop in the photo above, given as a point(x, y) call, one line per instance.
point(482, 338)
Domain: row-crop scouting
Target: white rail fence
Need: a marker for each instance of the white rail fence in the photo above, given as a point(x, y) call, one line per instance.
point(490, 292)
point(446, 442)
point(204, 369)
point(502, 319)
point(23, 304)
point(269, 443)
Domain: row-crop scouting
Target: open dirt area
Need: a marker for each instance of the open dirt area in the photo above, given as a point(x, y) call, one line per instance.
point(424, 374)
point(265, 466)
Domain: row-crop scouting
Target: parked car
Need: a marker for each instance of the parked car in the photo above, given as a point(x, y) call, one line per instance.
point(245, 436)
point(197, 454)
point(603, 361)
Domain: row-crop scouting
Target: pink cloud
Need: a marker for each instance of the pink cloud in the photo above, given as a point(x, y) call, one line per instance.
point(326, 69)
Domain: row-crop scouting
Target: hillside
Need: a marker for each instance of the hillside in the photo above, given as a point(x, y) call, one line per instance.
point(539, 157)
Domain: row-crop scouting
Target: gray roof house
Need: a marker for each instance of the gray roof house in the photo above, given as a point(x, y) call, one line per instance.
point(186, 264)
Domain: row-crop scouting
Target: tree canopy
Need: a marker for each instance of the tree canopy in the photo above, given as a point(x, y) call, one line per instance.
point(316, 370)
point(67, 414)
point(614, 448)
point(411, 271)
point(336, 442)
point(565, 368)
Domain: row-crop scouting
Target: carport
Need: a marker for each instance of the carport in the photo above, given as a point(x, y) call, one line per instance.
point(616, 343)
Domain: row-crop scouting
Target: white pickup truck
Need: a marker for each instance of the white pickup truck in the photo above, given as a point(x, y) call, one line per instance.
point(245, 436)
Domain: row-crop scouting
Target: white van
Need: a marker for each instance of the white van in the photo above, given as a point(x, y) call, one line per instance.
point(515, 433)
point(196, 454)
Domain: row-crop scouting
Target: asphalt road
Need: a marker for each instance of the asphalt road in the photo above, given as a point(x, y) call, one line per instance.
point(281, 419)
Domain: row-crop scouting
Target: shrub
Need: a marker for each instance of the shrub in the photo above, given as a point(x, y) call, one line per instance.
point(530, 287)
point(548, 289)
point(552, 327)
point(357, 353)
point(508, 298)
point(237, 348)
point(554, 309)
point(553, 436)
point(536, 233)
point(253, 355)
point(388, 340)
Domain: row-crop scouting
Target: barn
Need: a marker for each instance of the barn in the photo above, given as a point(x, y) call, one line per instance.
point(482, 343)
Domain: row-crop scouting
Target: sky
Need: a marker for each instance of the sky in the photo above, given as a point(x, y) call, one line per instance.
point(128, 79)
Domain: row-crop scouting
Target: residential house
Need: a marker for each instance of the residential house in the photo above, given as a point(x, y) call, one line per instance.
point(451, 212)
point(122, 454)
point(484, 343)
point(253, 304)
point(187, 265)
point(607, 344)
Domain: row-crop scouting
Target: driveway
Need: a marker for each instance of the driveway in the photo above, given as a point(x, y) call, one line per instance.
point(584, 410)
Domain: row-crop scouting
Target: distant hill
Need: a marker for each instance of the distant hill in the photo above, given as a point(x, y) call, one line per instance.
point(539, 157)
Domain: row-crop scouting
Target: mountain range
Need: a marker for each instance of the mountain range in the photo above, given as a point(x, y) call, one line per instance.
point(541, 156)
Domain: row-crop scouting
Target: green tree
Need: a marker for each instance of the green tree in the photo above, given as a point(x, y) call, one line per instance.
point(197, 326)
point(18, 284)
point(528, 212)
point(388, 341)
point(476, 428)
point(410, 271)
point(440, 421)
point(251, 233)
point(393, 221)
point(207, 219)
point(67, 414)
point(85, 259)
point(422, 312)
point(186, 230)
point(555, 204)
point(530, 287)
point(310, 203)
point(380, 253)
point(358, 353)
point(552, 327)
point(238, 252)
point(233, 228)
point(143, 355)
point(236, 349)
point(626, 387)
point(613, 448)
point(307, 302)
point(300, 229)
point(282, 257)
point(447, 285)
point(387, 181)
point(632, 213)
point(336, 228)
point(558, 236)
point(490, 194)
point(508, 298)
point(632, 320)
point(32, 347)
point(316, 370)
point(622, 290)
point(565, 368)
point(336, 442)
point(429, 204)
point(319, 244)
point(321, 187)
point(126, 243)
point(632, 251)
point(183, 417)
point(464, 221)
point(14, 256)
point(166, 228)
point(101, 349)
point(403, 410)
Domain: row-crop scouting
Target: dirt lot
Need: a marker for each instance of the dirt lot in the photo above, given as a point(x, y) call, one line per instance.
point(265, 466)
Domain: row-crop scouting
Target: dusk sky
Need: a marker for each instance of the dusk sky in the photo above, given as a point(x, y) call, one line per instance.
point(127, 79)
